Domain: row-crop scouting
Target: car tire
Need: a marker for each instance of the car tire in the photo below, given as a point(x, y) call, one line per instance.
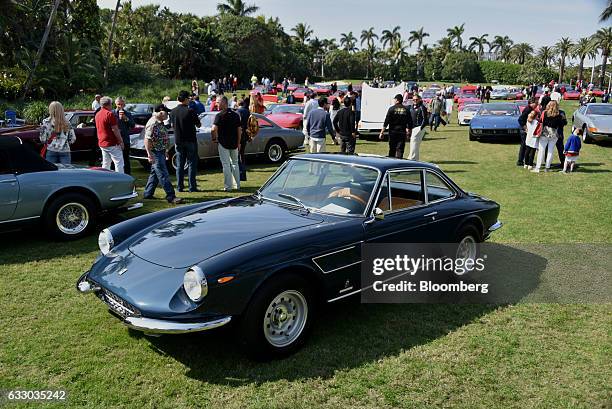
point(467, 244)
point(472, 137)
point(278, 318)
point(585, 135)
point(70, 216)
point(275, 151)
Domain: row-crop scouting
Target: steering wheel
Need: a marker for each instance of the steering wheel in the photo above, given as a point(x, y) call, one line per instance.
point(348, 193)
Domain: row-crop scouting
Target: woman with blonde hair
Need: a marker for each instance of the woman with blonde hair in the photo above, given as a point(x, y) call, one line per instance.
point(57, 135)
point(195, 88)
point(552, 121)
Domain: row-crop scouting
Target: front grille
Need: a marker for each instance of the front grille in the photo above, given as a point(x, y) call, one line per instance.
point(499, 131)
point(118, 305)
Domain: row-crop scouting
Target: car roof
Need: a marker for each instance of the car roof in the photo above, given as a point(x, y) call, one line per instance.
point(597, 104)
point(383, 163)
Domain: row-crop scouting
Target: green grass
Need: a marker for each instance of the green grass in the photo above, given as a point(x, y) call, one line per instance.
point(371, 356)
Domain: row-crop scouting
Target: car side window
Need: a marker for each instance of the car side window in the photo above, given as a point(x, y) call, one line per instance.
point(84, 121)
point(406, 189)
point(437, 189)
point(264, 123)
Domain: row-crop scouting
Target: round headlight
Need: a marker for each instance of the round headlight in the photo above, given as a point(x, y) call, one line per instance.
point(105, 241)
point(194, 283)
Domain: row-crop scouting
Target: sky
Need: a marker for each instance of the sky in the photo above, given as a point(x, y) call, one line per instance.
point(538, 22)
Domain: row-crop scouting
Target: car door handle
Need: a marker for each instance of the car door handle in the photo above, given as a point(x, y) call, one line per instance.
point(432, 214)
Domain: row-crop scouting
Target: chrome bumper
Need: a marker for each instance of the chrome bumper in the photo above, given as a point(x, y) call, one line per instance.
point(155, 326)
point(496, 226)
point(124, 197)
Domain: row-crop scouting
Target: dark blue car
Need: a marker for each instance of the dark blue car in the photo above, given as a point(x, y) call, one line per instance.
point(496, 121)
point(268, 260)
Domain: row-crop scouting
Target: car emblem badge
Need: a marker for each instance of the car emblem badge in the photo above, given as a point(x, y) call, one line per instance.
point(122, 271)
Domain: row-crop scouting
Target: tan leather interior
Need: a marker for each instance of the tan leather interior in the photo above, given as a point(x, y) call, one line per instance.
point(397, 203)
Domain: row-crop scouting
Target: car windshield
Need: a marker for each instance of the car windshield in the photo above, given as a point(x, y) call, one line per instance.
point(139, 108)
point(281, 109)
point(600, 110)
point(497, 110)
point(329, 187)
point(471, 108)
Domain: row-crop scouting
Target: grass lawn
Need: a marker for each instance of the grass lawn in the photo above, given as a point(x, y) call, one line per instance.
point(371, 356)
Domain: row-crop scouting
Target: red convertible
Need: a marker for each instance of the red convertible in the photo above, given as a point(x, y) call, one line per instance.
point(571, 94)
point(300, 92)
point(84, 129)
point(286, 115)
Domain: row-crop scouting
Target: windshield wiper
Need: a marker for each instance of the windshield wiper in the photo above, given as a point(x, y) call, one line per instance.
point(295, 199)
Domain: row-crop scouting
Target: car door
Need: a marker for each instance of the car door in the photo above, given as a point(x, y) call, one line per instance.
point(266, 132)
point(206, 147)
point(402, 198)
point(9, 188)
point(444, 209)
point(85, 131)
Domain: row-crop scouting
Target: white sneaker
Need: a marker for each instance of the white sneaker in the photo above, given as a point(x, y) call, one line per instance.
point(535, 171)
point(529, 167)
point(525, 166)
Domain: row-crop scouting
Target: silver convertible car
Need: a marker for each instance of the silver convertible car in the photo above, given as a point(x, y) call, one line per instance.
point(595, 120)
point(272, 141)
point(64, 200)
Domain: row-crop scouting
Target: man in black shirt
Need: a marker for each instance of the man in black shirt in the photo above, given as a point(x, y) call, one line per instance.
point(399, 121)
point(226, 131)
point(185, 122)
point(533, 103)
point(344, 125)
point(244, 113)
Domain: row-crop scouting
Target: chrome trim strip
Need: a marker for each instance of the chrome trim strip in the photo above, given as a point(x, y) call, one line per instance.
point(124, 197)
point(497, 225)
point(370, 286)
point(335, 252)
point(19, 220)
point(346, 289)
point(155, 326)
point(135, 206)
point(339, 268)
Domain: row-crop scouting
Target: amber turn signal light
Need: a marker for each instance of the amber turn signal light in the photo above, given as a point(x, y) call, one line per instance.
point(225, 279)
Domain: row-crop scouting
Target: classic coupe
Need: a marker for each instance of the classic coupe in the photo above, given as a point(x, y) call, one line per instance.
point(64, 200)
point(272, 141)
point(141, 113)
point(286, 115)
point(496, 121)
point(466, 112)
point(595, 120)
point(571, 94)
point(268, 261)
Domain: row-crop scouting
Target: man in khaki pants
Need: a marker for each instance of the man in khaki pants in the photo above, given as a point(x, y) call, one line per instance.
point(419, 119)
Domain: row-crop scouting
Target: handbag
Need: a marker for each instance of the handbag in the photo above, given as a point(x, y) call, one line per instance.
point(43, 151)
point(538, 131)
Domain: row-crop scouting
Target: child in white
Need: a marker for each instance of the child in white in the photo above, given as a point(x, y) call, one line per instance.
point(531, 141)
point(572, 150)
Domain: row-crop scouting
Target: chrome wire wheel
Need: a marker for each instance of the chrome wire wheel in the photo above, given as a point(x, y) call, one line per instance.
point(285, 318)
point(72, 218)
point(275, 152)
point(467, 249)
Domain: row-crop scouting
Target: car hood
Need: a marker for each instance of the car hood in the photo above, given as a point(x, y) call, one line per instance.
point(503, 122)
point(201, 234)
point(602, 122)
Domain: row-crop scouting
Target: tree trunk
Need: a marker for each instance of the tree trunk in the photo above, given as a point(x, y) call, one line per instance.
point(581, 67)
point(602, 75)
point(561, 68)
point(41, 48)
point(110, 43)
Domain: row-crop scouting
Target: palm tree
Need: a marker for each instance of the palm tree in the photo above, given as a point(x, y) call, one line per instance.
point(563, 47)
point(302, 32)
point(581, 50)
point(398, 51)
point(236, 8)
point(329, 44)
point(478, 43)
point(348, 41)
point(521, 51)
point(368, 36)
point(444, 46)
point(602, 40)
point(606, 13)
point(455, 33)
point(391, 37)
point(417, 36)
point(317, 46)
point(502, 46)
point(41, 47)
point(545, 54)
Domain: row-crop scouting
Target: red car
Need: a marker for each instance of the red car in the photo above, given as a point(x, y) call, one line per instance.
point(84, 129)
point(300, 92)
point(286, 115)
point(322, 90)
point(597, 92)
point(260, 89)
point(466, 98)
point(465, 93)
point(571, 93)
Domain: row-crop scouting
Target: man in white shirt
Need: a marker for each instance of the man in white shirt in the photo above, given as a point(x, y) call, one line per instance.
point(95, 105)
point(556, 95)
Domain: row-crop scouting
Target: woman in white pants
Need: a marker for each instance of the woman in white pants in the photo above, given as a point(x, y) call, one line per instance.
point(552, 121)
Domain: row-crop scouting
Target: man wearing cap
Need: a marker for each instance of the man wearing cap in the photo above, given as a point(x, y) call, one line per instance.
point(95, 105)
point(399, 121)
point(185, 122)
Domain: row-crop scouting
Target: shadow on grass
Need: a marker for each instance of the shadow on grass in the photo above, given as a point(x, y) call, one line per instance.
point(346, 334)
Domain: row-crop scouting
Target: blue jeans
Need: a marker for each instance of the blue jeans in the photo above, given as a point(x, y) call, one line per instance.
point(187, 153)
point(159, 175)
point(434, 120)
point(58, 157)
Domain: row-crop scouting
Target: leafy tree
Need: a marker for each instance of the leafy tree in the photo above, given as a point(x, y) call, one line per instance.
point(478, 43)
point(461, 66)
point(236, 8)
point(502, 46)
point(520, 52)
point(606, 13)
point(455, 33)
point(535, 71)
point(348, 41)
point(602, 40)
point(545, 54)
point(368, 36)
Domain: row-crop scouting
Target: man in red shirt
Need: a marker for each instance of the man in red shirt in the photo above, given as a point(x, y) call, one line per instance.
point(109, 136)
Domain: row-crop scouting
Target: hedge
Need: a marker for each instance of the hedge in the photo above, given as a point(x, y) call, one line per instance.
point(504, 73)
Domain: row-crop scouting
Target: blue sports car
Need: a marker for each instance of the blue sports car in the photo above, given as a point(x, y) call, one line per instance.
point(268, 260)
point(496, 121)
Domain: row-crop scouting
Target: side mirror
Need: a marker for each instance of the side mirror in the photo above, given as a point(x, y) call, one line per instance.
point(379, 214)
